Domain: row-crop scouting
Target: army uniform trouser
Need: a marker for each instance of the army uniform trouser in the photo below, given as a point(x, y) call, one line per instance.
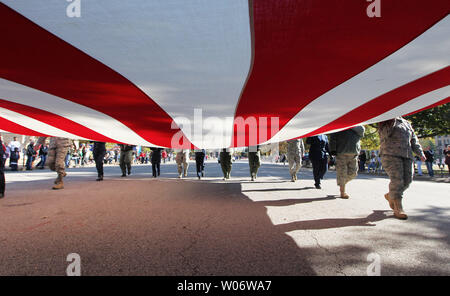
point(346, 168)
point(225, 164)
point(319, 169)
point(254, 162)
point(400, 171)
point(56, 159)
point(125, 161)
point(182, 163)
point(294, 164)
point(2, 176)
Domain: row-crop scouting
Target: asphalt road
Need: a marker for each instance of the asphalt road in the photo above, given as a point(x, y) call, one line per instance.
point(143, 226)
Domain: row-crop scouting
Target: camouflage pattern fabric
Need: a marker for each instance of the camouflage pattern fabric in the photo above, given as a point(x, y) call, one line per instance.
point(254, 161)
point(57, 152)
point(400, 171)
point(346, 168)
point(182, 160)
point(295, 151)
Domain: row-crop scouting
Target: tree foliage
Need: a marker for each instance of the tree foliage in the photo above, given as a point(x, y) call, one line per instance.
point(371, 140)
point(432, 122)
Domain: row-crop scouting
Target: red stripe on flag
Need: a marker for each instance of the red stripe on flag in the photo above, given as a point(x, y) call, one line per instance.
point(55, 121)
point(15, 128)
point(302, 49)
point(389, 101)
point(32, 56)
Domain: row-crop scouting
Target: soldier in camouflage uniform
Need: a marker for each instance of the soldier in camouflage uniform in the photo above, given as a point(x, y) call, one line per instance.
point(295, 152)
point(182, 160)
point(57, 152)
point(225, 163)
point(346, 145)
point(398, 141)
point(254, 160)
point(126, 156)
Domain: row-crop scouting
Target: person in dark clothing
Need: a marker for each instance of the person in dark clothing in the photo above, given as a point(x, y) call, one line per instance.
point(2, 168)
point(200, 162)
point(99, 153)
point(362, 158)
point(155, 159)
point(30, 156)
point(318, 155)
point(429, 155)
point(43, 152)
point(14, 159)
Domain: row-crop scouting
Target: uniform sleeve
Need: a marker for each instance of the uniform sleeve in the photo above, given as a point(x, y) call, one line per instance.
point(415, 145)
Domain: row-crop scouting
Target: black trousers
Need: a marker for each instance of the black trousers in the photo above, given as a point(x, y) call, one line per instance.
point(2, 176)
point(99, 164)
point(319, 169)
point(156, 168)
point(200, 163)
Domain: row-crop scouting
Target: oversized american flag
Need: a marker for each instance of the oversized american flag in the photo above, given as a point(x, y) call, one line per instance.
point(148, 71)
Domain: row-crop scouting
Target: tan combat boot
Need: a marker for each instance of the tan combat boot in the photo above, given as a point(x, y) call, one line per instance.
point(59, 184)
point(391, 202)
point(398, 210)
point(344, 195)
point(59, 178)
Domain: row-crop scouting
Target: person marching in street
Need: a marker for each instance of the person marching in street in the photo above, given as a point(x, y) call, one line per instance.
point(254, 161)
point(398, 141)
point(346, 145)
point(225, 163)
point(99, 152)
point(126, 157)
point(295, 152)
point(200, 162)
point(318, 156)
point(57, 151)
point(3, 157)
point(155, 159)
point(182, 160)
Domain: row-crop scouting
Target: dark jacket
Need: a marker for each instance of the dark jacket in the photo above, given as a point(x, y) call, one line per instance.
point(319, 147)
point(429, 154)
point(200, 155)
point(43, 150)
point(30, 150)
point(156, 155)
point(125, 147)
point(347, 141)
point(99, 149)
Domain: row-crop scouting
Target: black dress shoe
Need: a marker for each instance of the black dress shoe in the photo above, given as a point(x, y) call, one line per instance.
point(2, 195)
point(100, 178)
point(318, 186)
point(124, 175)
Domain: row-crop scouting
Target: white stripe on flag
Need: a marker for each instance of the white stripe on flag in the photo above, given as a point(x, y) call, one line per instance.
point(424, 55)
point(96, 121)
